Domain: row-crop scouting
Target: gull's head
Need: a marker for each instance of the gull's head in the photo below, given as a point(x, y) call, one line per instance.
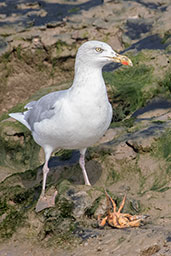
point(98, 54)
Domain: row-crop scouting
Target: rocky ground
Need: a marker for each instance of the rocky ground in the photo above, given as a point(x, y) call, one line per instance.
point(38, 42)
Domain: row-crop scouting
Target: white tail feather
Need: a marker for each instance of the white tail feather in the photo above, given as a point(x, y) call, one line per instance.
point(20, 117)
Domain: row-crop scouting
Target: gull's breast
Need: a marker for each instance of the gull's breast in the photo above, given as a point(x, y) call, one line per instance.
point(75, 126)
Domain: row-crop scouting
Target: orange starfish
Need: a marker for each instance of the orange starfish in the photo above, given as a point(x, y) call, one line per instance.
point(117, 219)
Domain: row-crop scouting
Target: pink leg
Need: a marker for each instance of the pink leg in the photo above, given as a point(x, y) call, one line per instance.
point(45, 201)
point(82, 165)
point(45, 172)
point(48, 152)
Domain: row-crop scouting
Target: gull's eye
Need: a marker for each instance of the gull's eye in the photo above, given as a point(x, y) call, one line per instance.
point(98, 49)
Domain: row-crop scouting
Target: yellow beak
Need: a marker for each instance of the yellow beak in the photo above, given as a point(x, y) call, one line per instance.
point(122, 59)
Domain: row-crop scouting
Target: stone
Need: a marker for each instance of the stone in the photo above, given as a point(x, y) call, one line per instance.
point(81, 201)
point(3, 16)
point(124, 152)
point(54, 24)
point(24, 6)
point(49, 39)
point(4, 47)
point(100, 24)
point(40, 13)
point(126, 40)
point(3, 4)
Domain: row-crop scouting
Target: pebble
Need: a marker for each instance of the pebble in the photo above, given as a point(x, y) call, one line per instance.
point(3, 16)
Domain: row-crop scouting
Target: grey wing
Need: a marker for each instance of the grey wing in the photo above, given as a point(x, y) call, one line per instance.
point(43, 108)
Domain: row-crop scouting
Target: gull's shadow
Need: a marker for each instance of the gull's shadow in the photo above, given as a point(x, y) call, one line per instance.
point(70, 170)
point(58, 161)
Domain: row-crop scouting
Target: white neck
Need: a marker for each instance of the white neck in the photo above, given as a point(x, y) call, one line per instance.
point(88, 77)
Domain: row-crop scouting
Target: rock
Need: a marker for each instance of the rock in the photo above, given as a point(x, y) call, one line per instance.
point(101, 209)
point(81, 202)
point(24, 6)
point(100, 24)
point(109, 135)
point(142, 140)
point(65, 38)
point(124, 152)
point(154, 109)
point(17, 146)
point(3, 4)
point(77, 23)
point(36, 43)
point(126, 40)
point(79, 35)
point(20, 43)
point(116, 41)
point(141, 145)
point(3, 16)
point(85, 234)
point(48, 39)
point(4, 47)
point(136, 27)
point(40, 13)
point(54, 24)
point(150, 250)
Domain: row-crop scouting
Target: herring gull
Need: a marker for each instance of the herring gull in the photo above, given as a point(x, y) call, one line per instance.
point(75, 118)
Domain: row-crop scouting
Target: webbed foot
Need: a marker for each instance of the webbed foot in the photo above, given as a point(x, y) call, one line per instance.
point(46, 202)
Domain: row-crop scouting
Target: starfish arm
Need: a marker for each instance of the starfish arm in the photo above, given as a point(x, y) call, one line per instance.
point(122, 204)
point(134, 223)
point(113, 220)
point(110, 201)
point(102, 222)
point(137, 217)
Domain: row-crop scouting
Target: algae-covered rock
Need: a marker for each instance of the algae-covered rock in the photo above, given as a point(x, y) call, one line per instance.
point(19, 194)
point(18, 150)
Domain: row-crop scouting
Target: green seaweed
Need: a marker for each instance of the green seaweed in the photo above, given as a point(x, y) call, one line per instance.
point(135, 206)
point(3, 206)
point(59, 48)
point(64, 154)
point(16, 201)
point(65, 207)
point(128, 89)
point(18, 52)
point(17, 146)
point(10, 224)
point(5, 58)
point(159, 185)
point(165, 83)
point(166, 36)
point(164, 146)
point(74, 9)
point(112, 177)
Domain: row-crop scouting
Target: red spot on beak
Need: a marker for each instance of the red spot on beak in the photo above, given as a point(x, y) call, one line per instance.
point(125, 63)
